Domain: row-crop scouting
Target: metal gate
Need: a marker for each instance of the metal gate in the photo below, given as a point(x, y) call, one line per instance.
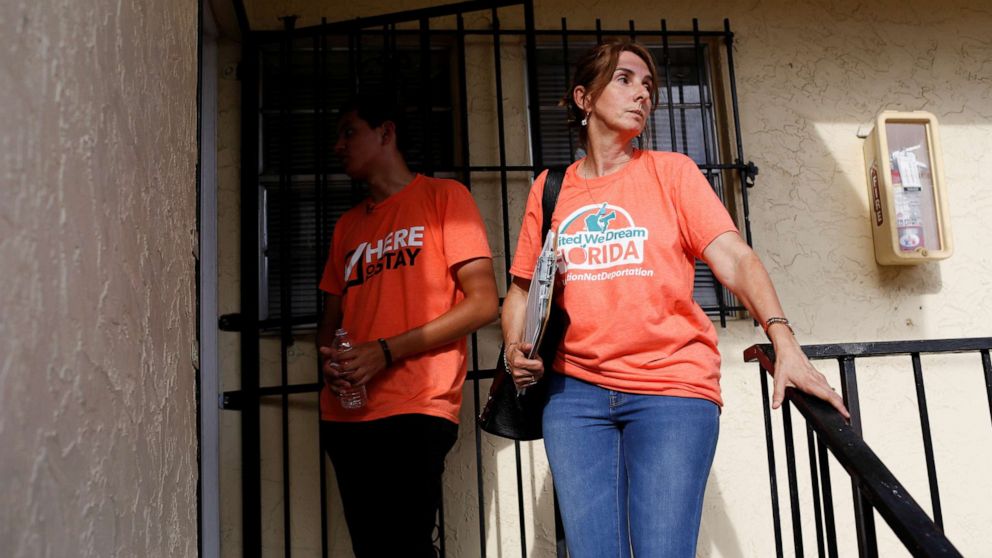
point(293, 190)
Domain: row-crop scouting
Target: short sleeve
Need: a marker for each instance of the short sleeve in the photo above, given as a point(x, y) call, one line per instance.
point(529, 242)
point(463, 230)
point(702, 216)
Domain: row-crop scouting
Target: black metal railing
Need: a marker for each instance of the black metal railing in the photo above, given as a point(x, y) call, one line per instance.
point(873, 486)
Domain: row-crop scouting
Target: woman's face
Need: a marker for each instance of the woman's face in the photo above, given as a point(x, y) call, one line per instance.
point(358, 145)
point(624, 104)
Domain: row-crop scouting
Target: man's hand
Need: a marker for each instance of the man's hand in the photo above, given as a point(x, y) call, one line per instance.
point(352, 368)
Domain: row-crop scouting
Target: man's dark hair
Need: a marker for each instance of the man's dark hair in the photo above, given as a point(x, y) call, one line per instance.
point(376, 110)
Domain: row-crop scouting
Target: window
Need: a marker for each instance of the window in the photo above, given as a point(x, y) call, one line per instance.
point(318, 192)
point(303, 190)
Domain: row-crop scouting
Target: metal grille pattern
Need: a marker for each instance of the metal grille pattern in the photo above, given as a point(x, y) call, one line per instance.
point(293, 190)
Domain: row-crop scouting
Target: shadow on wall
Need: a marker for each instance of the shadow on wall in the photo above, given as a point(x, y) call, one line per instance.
point(500, 500)
point(717, 537)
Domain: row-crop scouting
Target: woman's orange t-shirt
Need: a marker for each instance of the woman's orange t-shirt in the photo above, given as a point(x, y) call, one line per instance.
point(627, 244)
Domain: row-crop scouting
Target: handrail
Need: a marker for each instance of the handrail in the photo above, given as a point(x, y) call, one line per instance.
point(875, 481)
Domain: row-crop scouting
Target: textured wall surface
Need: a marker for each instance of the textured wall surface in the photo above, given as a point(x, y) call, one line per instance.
point(97, 233)
point(811, 77)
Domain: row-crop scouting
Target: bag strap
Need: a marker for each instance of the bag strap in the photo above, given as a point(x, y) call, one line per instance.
point(552, 185)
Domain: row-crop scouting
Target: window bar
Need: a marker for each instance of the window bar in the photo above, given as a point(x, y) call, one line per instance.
point(701, 87)
point(355, 77)
point(474, 339)
point(369, 22)
point(354, 59)
point(720, 299)
point(463, 105)
point(652, 141)
point(790, 466)
point(479, 485)
point(568, 82)
point(815, 485)
point(682, 122)
point(251, 478)
point(537, 155)
point(647, 119)
point(393, 57)
point(533, 96)
point(388, 61)
point(921, 401)
point(599, 31)
point(427, 149)
point(320, 179)
point(987, 366)
point(286, 98)
point(770, 447)
point(668, 82)
point(427, 167)
point(478, 453)
point(864, 515)
point(501, 125)
point(501, 129)
point(828, 499)
point(729, 38)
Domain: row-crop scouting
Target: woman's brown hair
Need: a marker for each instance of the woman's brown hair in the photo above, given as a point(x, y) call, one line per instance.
point(594, 70)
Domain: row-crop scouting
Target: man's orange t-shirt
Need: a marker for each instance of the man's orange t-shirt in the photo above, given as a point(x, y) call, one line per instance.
point(627, 244)
point(391, 264)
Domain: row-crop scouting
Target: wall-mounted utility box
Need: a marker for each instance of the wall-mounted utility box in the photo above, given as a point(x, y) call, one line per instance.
point(906, 189)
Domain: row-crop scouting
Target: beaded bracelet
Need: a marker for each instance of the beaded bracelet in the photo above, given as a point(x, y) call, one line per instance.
point(386, 352)
point(778, 320)
point(506, 359)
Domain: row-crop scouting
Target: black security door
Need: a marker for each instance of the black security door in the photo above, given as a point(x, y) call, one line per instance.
point(293, 189)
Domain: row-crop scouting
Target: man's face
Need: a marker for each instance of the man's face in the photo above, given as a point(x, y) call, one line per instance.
point(358, 145)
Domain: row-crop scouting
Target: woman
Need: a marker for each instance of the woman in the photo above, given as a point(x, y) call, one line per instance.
point(632, 419)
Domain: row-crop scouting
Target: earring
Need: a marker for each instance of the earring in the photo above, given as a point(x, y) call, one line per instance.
point(585, 121)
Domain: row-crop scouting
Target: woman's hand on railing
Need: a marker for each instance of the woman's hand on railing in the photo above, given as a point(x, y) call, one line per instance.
point(793, 369)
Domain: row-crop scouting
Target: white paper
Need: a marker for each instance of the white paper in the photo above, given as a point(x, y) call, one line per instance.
point(542, 285)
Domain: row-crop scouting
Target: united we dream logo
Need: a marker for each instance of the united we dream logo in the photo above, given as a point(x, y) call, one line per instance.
point(600, 237)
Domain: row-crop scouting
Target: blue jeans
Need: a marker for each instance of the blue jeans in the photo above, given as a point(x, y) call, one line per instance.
point(630, 470)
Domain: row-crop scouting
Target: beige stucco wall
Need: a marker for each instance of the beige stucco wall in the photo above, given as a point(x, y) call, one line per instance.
point(811, 76)
point(97, 287)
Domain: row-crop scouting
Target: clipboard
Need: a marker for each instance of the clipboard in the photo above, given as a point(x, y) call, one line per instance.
point(539, 296)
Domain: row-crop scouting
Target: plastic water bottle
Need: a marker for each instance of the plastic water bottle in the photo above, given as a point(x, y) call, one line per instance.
point(354, 398)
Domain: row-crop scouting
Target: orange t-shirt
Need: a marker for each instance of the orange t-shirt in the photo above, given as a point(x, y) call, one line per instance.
point(627, 244)
point(391, 266)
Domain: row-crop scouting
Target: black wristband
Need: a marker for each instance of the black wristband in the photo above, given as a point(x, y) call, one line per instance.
point(386, 352)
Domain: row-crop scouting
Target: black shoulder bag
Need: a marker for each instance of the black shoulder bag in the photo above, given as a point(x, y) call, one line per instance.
point(506, 413)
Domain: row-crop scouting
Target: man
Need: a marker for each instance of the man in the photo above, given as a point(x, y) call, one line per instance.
point(409, 275)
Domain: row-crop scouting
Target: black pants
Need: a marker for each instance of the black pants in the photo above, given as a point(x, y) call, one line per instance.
point(389, 474)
